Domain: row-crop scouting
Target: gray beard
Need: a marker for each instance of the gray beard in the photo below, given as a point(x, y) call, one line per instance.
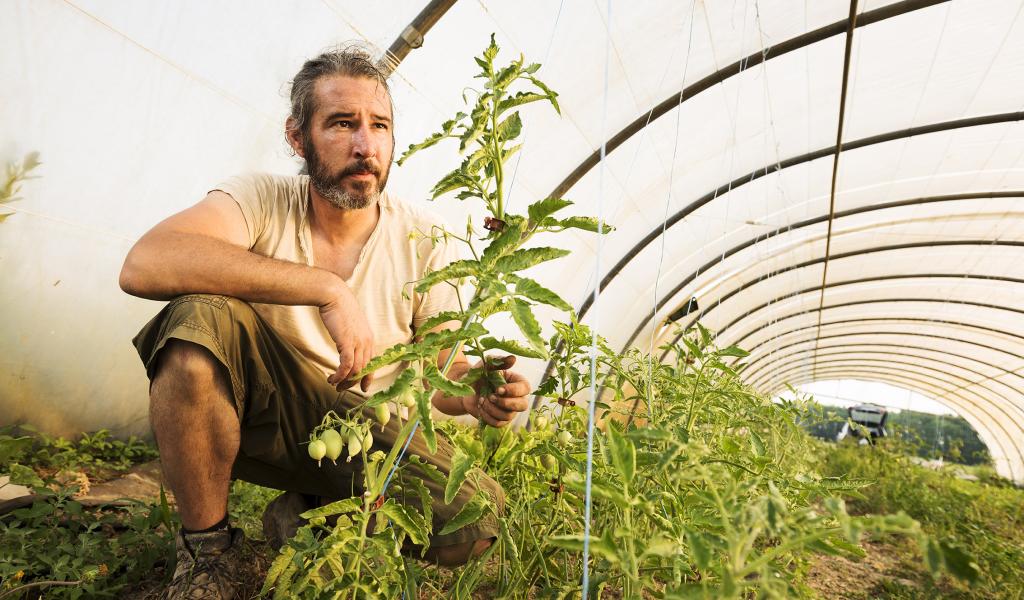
point(339, 198)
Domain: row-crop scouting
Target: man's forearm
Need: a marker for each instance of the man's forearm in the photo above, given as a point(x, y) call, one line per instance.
point(164, 265)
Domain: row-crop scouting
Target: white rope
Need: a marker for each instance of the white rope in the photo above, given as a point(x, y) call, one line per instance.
point(595, 319)
point(664, 220)
point(734, 116)
point(522, 151)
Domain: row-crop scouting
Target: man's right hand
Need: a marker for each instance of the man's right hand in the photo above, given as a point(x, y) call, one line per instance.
point(347, 325)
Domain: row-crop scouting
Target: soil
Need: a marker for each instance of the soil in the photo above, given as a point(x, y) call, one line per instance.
point(892, 568)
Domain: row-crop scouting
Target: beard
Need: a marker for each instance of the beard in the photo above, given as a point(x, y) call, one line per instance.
point(331, 186)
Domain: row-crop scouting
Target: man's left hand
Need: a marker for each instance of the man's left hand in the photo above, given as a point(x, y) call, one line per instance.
point(500, 407)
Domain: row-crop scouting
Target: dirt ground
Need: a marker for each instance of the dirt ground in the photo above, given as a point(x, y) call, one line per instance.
point(252, 570)
point(891, 569)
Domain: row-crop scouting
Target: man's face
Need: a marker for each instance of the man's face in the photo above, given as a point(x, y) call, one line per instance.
point(349, 143)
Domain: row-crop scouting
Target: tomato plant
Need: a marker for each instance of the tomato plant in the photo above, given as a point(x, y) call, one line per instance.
point(701, 487)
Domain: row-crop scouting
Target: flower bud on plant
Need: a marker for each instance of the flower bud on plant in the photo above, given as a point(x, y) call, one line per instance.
point(317, 450)
point(332, 442)
point(377, 456)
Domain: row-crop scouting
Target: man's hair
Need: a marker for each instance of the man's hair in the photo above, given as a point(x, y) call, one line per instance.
point(348, 61)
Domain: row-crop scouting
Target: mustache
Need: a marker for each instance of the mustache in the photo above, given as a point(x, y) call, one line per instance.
point(360, 166)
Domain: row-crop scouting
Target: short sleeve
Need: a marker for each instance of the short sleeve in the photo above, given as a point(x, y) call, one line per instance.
point(254, 195)
point(442, 296)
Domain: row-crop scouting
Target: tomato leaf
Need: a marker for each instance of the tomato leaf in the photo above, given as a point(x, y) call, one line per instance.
point(585, 223)
point(440, 319)
point(470, 513)
point(623, 454)
point(423, 407)
point(461, 464)
point(410, 522)
point(507, 239)
point(348, 505)
point(545, 208)
point(528, 324)
point(396, 353)
point(440, 382)
point(510, 128)
point(538, 293)
point(526, 258)
point(401, 384)
point(453, 272)
point(699, 550)
point(734, 351)
point(510, 346)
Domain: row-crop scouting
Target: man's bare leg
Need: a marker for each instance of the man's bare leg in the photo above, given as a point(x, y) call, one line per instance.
point(196, 429)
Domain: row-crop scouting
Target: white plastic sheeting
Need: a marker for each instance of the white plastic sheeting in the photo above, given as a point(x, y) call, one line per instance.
point(138, 108)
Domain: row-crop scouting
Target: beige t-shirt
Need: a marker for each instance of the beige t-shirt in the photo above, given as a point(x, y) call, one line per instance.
point(275, 210)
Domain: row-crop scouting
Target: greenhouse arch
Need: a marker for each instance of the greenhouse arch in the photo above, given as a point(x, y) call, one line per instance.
point(544, 298)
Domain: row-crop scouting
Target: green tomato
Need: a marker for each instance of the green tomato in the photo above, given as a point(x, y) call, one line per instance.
point(355, 445)
point(564, 437)
point(317, 449)
point(548, 462)
point(540, 422)
point(383, 415)
point(408, 398)
point(367, 441)
point(333, 442)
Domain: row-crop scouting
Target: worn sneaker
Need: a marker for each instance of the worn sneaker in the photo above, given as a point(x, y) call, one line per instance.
point(281, 517)
point(205, 569)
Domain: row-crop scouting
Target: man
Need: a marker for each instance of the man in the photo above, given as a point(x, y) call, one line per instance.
point(282, 289)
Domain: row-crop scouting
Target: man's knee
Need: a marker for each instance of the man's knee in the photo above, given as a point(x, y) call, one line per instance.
point(187, 367)
point(212, 310)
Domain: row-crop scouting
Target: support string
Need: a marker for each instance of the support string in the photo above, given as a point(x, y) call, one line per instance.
point(664, 222)
point(595, 321)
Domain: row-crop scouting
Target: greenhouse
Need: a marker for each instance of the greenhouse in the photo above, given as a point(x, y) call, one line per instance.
point(676, 218)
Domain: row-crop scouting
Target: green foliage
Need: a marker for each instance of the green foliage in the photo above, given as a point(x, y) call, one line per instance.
point(337, 554)
point(246, 503)
point(701, 487)
point(976, 528)
point(58, 540)
point(60, 548)
point(97, 450)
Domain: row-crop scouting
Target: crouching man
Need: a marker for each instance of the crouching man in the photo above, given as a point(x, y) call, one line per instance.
point(281, 289)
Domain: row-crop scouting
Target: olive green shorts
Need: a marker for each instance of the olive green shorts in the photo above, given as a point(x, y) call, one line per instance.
point(281, 396)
